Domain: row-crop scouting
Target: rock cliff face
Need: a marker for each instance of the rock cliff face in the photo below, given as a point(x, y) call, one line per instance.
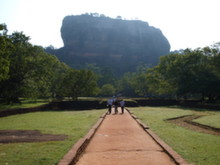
point(116, 43)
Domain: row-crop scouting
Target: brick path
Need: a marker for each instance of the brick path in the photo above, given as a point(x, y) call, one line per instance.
point(121, 141)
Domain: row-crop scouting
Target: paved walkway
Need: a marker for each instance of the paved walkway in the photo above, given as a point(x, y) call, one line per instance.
point(121, 141)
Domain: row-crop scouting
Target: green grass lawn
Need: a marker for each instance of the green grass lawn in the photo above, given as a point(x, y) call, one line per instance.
point(75, 124)
point(213, 119)
point(197, 148)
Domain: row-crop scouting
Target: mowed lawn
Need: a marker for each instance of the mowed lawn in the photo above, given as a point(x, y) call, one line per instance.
point(197, 148)
point(75, 124)
point(213, 120)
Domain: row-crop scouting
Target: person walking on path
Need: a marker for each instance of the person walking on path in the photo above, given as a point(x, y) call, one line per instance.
point(122, 105)
point(109, 105)
point(116, 104)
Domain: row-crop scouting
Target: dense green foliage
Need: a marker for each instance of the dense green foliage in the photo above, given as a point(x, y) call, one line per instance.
point(78, 83)
point(193, 73)
point(120, 45)
point(28, 71)
point(5, 49)
point(107, 90)
point(188, 74)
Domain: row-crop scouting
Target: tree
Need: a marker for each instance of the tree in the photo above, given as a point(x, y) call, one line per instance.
point(140, 84)
point(86, 83)
point(5, 50)
point(28, 71)
point(79, 83)
point(157, 84)
point(108, 90)
point(125, 84)
point(3, 28)
point(44, 73)
point(12, 87)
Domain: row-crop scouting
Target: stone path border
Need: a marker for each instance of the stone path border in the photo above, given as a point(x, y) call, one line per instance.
point(74, 153)
point(173, 154)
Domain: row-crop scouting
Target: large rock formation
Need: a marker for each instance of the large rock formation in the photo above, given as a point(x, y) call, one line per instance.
point(119, 44)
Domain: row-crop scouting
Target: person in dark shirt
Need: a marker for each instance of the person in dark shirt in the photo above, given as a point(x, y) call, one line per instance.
point(109, 105)
point(122, 105)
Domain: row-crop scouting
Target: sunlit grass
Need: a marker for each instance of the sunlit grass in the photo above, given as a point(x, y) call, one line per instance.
point(212, 120)
point(75, 124)
point(197, 148)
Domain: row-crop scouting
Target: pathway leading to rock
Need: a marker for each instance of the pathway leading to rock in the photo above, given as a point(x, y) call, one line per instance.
point(121, 141)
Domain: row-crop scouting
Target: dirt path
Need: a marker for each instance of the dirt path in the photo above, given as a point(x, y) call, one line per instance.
point(121, 141)
point(20, 136)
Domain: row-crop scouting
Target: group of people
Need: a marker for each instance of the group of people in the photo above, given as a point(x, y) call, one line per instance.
point(115, 102)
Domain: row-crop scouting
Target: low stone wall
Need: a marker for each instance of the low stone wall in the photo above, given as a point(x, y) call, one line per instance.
point(72, 156)
point(75, 105)
point(87, 105)
point(157, 102)
point(57, 106)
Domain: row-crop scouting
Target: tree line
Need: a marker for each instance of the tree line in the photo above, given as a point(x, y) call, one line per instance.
point(182, 75)
point(27, 71)
point(194, 73)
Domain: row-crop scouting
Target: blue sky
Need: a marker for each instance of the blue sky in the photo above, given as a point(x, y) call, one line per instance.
point(185, 23)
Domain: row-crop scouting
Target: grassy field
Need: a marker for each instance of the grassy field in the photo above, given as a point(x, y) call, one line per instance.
point(75, 124)
point(213, 119)
point(197, 148)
